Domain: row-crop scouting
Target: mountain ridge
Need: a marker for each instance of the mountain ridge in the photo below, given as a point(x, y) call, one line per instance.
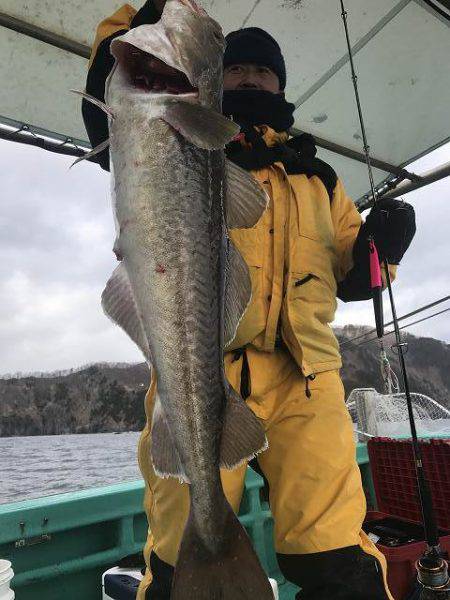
point(107, 397)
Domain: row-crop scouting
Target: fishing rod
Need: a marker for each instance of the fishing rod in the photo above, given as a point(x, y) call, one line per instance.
point(432, 569)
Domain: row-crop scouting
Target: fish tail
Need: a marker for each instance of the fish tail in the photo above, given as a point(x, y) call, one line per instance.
point(231, 572)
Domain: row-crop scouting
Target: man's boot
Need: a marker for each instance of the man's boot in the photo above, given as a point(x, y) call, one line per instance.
point(343, 574)
point(162, 573)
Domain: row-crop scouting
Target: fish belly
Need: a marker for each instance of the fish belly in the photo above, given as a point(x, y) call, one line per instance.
point(168, 208)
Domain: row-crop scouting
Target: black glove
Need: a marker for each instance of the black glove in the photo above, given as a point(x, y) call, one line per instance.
point(392, 223)
point(148, 14)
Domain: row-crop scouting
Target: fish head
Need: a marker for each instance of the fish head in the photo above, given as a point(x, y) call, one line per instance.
point(180, 55)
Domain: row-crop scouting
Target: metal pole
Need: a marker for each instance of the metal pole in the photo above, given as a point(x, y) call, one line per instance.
point(67, 147)
point(428, 177)
point(398, 189)
point(44, 36)
point(353, 154)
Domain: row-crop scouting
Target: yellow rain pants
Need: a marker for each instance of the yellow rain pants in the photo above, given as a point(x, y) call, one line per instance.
point(316, 494)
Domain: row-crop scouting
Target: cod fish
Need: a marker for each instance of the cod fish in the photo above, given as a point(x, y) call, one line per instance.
point(181, 287)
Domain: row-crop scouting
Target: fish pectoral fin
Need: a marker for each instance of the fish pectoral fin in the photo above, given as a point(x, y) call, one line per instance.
point(165, 458)
point(95, 101)
point(92, 153)
point(242, 434)
point(238, 292)
point(245, 198)
point(119, 305)
point(202, 127)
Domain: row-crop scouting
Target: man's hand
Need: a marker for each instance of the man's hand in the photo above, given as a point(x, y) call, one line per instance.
point(159, 5)
point(149, 14)
point(393, 225)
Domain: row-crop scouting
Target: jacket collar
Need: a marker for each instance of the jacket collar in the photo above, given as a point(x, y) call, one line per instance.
point(269, 135)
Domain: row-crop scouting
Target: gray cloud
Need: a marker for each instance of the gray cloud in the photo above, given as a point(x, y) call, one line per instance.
point(56, 236)
point(56, 242)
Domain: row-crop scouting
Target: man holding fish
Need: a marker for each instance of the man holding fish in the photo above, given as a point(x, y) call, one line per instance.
point(188, 212)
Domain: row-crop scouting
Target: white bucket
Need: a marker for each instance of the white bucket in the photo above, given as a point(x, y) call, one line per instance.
point(6, 574)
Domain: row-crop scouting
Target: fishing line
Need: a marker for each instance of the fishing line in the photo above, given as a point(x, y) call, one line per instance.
point(432, 557)
point(441, 312)
point(402, 318)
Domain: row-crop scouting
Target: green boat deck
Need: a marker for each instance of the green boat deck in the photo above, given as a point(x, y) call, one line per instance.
point(60, 545)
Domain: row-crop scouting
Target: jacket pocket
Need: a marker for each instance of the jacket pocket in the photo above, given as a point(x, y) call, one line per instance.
point(315, 258)
point(313, 208)
point(312, 306)
point(312, 297)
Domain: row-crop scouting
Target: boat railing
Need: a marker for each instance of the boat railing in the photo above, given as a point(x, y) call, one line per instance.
point(65, 542)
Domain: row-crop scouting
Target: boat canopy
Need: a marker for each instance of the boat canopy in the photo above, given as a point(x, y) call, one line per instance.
point(401, 50)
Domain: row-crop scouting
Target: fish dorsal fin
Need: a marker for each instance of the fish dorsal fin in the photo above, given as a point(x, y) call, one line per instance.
point(202, 127)
point(165, 458)
point(120, 306)
point(245, 199)
point(238, 292)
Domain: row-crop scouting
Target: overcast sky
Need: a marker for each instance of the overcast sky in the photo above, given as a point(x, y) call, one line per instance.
point(56, 236)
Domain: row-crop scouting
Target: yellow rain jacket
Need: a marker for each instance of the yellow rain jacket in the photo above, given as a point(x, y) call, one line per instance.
point(297, 252)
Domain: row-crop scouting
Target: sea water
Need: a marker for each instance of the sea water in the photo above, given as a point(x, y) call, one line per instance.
point(37, 466)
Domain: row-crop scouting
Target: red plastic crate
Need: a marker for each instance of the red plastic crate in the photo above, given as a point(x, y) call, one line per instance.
point(402, 560)
point(394, 477)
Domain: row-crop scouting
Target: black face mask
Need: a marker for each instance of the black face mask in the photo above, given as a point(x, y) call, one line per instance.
point(251, 107)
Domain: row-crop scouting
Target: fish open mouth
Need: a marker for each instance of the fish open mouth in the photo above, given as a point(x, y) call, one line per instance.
point(150, 74)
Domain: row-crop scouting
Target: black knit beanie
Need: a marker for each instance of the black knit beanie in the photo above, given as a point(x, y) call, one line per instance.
point(256, 46)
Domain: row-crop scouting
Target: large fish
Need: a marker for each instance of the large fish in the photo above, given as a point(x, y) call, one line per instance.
point(181, 287)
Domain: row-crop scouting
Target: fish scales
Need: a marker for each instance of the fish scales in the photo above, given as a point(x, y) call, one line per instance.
point(182, 234)
point(181, 288)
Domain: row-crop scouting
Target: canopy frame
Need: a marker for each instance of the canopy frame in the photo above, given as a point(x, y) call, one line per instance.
point(392, 186)
point(43, 35)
